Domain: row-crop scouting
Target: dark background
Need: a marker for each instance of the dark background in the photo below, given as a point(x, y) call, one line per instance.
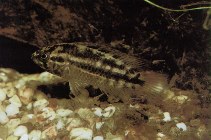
point(174, 43)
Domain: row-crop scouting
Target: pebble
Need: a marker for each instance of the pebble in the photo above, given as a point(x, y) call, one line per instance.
point(35, 135)
point(12, 124)
point(160, 135)
point(15, 100)
point(12, 110)
point(24, 137)
point(98, 138)
point(21, 83)
point(181, 99)
point(39, 95)
point(27, 118)
point(60, 124)
point(74, 122)
point(49, 113)
point(167, 116)
point(30, 116)
point(3, 117)
point(20, 130)
point(2, 95)
point(109, 111)
point(49, 132)
point(40, 104)
point(85, 113)
point(81, 133)
point(99, 125)
point(182, 126)
point(29, 106)
point(98, 111)
point(26, 95)
point(64, 112)
point(10, 91)
point(3, 77)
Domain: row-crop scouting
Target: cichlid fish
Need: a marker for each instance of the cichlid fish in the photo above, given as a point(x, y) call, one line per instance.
point(115, 73)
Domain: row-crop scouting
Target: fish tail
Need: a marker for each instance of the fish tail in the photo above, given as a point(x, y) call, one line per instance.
point(154, 82)
point(151, 91)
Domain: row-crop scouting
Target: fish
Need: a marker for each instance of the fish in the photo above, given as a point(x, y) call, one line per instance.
point(117, 74)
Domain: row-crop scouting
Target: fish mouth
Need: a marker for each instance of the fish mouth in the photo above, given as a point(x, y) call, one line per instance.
point(35, 58)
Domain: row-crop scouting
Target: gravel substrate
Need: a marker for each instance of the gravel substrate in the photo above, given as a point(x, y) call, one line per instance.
point(26, 113)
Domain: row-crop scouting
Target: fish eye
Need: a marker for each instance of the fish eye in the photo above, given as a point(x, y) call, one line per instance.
point(43, 56)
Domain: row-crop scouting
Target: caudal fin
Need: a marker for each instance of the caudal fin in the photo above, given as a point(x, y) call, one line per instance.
point(154, 82)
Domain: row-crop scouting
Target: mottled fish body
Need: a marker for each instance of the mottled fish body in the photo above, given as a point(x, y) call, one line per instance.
point(114, 72)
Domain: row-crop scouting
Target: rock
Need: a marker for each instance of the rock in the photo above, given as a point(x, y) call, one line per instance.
point(26, 95)
point(29, 106)
point(98, 138)
point(85, 113)
point(99, 125)
point(74, 122)
point(20, 130)
point(48, 113)
point(12, 124)
point(60, 124)
point(64, 112)
point(2, 95)
point(98, 111)
point(10, 91)
point(109, 111)
point(167, 116)
point(81, 133)
point(12, 110)
point(40, 104)
point(49, 132)
point(24, 137)
point(3, 117)
point(182, 126)
point(15, 100)
point(35, 135)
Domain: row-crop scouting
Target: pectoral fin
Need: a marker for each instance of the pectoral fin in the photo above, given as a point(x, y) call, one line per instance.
point(77, 89)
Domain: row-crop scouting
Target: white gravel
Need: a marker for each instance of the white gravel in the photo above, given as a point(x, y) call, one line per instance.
point(12, 110)
point(35, 135)
point(81, 133)
point(3, 117)
point(15, 100)
point(20, 130)
point(98, 138)
point(167, 116)
point(98, 111)
point(60, 124)
point(40, 104)
point(24, 137)
point(64, 112)
point(48, 113)
point(182, 126)
point(2, 95)
point(109, 111)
